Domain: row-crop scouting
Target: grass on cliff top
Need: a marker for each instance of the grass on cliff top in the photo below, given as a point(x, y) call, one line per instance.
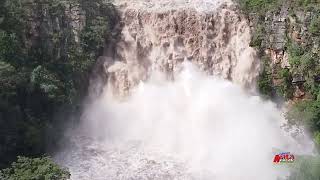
point(260, 7)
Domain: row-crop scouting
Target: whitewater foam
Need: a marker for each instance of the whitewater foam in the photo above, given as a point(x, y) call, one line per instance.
point(197, 127)
point(165, 5)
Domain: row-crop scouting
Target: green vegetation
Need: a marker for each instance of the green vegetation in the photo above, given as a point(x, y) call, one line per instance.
point(303, 51)
point(265, 79)
point(315, 26)
point(44, 64)
point(259, 7)
point(285, 88)
point(305, 4)
point(36, 169)
point(302, 37)
point(308, 111)
point(306, 168)
point(258, 36)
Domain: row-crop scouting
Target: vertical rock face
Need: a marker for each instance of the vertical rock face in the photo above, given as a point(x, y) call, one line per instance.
point(56, 27)
point(161, 35)
point(275, 43)
point(287, 38)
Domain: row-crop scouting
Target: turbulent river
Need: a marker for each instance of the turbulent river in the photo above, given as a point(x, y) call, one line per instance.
point(177, 100)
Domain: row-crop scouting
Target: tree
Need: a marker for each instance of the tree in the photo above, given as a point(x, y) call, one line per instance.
point(34, 169)
point(305, 168)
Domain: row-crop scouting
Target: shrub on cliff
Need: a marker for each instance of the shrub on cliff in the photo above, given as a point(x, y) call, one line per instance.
point(285, 88)
point(265, 79)
point(314, 26)
point(305, 168)
point(258, 37)
point(307, 113)
point(259, 7)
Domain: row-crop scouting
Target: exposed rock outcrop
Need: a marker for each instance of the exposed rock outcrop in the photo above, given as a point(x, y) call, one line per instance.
point(276, 40)
point(285, 36)
point(53, 30)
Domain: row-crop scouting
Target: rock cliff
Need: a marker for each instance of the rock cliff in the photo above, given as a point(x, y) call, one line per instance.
point(288, 36)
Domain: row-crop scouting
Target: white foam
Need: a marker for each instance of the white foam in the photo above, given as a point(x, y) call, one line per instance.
point(165, 5)
point(202, 127)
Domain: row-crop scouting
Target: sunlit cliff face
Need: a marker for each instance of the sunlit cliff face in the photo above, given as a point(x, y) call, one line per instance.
point(184, 68)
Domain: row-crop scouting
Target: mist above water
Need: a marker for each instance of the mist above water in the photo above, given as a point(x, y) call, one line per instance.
point(196, 127)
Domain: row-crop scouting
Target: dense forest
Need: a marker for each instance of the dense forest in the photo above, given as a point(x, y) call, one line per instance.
point(286, 35)
point(47, 48)
point(291, 31)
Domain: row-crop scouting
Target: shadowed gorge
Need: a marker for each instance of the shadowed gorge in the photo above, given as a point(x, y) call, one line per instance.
point(159, 89)
point(176, 101)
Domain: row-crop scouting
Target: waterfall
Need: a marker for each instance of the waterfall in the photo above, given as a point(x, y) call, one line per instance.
point(175, 100)
point(161, 35)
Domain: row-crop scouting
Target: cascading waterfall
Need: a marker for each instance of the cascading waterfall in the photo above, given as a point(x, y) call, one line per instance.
point(159, 35)
point(183, 70)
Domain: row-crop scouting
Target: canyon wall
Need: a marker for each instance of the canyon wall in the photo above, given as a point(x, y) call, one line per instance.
point(287, 35)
